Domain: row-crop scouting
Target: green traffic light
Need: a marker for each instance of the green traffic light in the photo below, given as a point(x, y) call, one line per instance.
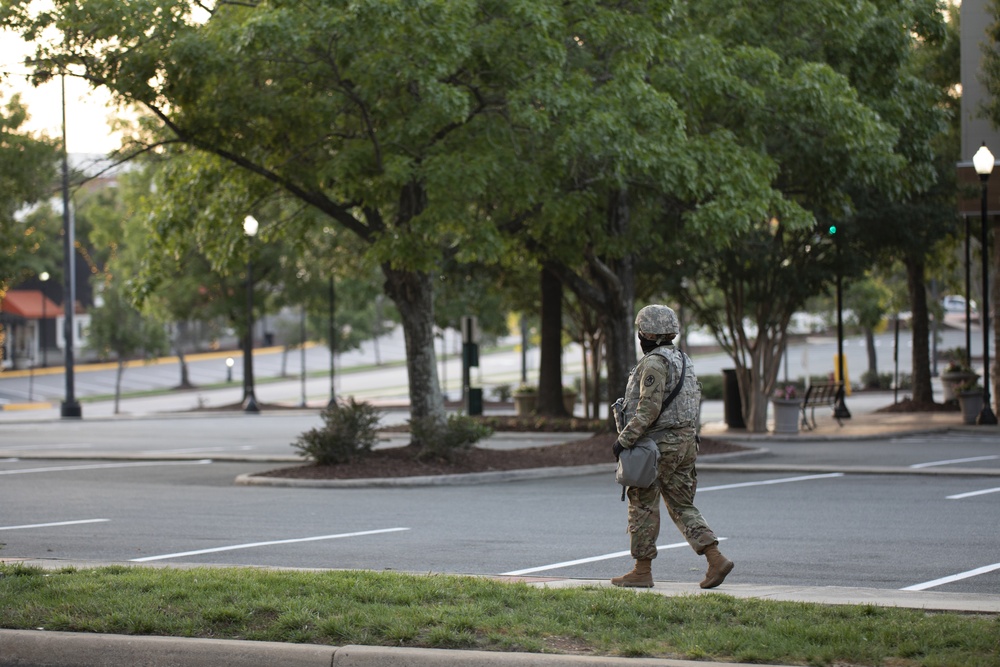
point(833, 229)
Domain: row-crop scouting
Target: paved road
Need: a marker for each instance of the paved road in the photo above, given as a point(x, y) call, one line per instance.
point(824, 527)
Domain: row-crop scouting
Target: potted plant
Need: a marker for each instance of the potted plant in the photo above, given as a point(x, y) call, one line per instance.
point(970, 399)
point(957, 372)
point(525, 399)
point(786, 404)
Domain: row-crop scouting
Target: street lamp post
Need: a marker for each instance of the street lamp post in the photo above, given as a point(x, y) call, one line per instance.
point(840, 410)
point(983, 162)
point(70, 408)
point(250, 226)
point(44, 277)
point(331, 321)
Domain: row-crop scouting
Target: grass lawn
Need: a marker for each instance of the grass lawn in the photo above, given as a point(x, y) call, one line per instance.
point(390, 609)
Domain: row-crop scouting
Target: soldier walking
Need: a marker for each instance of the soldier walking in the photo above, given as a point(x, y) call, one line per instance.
point(674, 429)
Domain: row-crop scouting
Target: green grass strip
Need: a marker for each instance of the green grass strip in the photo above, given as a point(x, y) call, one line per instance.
point(390, 609)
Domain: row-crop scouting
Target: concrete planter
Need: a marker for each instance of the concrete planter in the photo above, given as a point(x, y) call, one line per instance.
point(949, 382)
point(786, 414)
point(971, 403)
point(524, 404)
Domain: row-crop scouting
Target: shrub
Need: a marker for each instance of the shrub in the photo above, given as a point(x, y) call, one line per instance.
point(349, 429)
point(503, 392)
point(442, 441)
point(711, 387)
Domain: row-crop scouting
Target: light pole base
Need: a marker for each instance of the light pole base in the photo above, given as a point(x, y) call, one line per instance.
point(986, 417)
point(250, 405)
point(75, 411)
point(840, 410)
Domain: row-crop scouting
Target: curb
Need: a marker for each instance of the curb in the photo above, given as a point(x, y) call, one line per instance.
point(70, 649)
point(430, 480)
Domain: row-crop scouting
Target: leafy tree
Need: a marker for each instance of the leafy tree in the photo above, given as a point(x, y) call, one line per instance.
point(27, 175)
point(802, 86)
point(119, 331)
point(387, 119)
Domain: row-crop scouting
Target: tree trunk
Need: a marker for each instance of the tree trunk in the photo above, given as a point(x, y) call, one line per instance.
point(118, 383)
point(872, 357)
point(412, 292)
point(609, 289)
point(180, 339)
point(550, 398)
point(923, 392)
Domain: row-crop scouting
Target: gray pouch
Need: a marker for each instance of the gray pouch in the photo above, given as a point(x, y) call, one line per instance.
point(637, 466)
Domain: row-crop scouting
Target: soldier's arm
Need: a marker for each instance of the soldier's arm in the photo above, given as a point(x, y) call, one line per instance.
point(652, 385)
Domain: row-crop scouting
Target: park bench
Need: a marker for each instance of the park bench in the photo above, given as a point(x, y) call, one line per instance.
point(821, 395)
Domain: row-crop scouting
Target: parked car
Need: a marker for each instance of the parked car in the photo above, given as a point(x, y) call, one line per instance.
point(954, 303)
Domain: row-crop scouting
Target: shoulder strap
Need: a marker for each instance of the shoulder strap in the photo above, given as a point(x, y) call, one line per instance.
point(677, 389)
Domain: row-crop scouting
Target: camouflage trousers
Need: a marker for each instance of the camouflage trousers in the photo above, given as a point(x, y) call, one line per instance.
point(677, 481)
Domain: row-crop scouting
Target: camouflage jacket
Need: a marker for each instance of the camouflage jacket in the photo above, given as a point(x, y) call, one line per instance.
point(649, 383)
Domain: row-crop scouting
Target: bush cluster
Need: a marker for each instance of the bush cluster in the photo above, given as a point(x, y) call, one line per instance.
point(350, 429)
point(436, 440)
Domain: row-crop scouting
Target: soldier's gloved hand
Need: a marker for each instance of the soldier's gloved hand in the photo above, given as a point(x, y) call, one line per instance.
point(617, 448)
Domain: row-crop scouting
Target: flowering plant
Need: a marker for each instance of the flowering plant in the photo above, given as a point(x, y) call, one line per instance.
point(789, 392)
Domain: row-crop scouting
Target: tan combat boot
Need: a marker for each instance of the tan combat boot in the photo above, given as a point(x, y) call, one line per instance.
point(641, 576)
point(718, 567)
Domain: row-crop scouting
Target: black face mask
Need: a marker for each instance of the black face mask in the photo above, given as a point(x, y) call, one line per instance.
point(647, 345)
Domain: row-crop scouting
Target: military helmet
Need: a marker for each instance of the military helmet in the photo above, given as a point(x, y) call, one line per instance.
point(655, 321)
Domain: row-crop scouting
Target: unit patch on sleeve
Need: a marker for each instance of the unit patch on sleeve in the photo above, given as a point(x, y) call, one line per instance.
point(649, 380)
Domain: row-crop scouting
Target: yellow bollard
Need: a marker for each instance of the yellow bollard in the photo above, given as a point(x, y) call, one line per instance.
point(847, 374)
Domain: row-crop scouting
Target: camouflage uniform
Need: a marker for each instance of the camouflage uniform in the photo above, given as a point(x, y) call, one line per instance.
point(674, 432)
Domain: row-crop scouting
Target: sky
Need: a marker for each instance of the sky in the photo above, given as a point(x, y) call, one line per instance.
point(87, 112)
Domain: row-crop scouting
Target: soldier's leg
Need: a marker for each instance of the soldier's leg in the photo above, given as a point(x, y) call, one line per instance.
point(678, 491)
point(643, 529)
point(678, 484)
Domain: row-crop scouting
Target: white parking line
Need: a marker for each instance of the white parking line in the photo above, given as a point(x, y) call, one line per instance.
point(955, 577)
point(101, 466)
point(932, 464)
point(57, 523)
point(983, 492)
point(251, 545)
point(765, 482)
point(592, 559)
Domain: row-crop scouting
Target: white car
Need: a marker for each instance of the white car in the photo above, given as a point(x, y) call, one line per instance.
point(954, 303)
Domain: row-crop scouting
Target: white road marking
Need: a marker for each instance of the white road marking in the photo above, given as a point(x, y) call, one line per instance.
point(57, 523)
point(677, 545)
point(932, 464)
point(251, 545)
point(101, 466)
point(955, 577)
point(765, 482)
point(983, 492)
point(592, 559)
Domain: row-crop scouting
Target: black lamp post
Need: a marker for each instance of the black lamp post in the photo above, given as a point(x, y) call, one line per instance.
point(840, 410)
point(968, 302)
point(250, 226)
point(983, 162)
point(331, 321)
point(70, 408)
point(44, 277)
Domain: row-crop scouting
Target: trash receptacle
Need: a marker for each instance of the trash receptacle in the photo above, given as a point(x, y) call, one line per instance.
point(474, 401)
point(732, 402)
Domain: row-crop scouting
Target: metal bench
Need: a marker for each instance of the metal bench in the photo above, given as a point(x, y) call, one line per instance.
point(821, 395)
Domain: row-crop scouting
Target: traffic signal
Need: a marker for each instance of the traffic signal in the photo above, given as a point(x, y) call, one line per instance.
point(832, 230)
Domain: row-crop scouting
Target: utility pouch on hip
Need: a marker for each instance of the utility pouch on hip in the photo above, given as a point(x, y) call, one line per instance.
point(637, 465)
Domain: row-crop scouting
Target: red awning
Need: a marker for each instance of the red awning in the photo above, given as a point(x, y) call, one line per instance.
point(27, 303)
